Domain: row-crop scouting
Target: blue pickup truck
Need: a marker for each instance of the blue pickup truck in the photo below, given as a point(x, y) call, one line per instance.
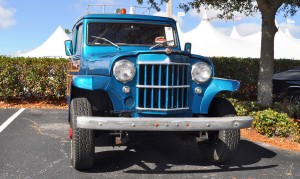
point(130, 76)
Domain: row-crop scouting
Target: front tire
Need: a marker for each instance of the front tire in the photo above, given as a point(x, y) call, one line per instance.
point(220, 145)
point(82, 142)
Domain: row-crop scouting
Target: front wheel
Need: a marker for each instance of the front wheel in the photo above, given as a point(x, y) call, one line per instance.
point(220, 145)
point(82, 142)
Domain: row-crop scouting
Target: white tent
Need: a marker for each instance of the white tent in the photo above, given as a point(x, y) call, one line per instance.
point(208, 41)
point(53, 47)
point(286, 47)
point(290, 36)
point(234, 34)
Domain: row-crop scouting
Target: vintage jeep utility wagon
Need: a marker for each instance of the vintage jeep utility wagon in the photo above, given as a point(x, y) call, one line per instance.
point(131, 76)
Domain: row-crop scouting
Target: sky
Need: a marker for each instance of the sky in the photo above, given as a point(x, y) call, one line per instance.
point(26, 24)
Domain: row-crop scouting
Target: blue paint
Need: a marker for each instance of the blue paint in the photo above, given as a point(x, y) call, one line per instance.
point(90, 82)
point(216, 86)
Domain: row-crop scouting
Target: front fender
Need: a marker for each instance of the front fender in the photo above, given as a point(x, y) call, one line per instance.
point(216, 86)
point(91, 82)
point(108, 84)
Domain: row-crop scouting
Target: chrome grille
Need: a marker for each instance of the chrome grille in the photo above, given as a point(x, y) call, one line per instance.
point(163, 87)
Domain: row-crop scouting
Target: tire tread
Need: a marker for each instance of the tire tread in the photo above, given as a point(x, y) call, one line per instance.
point(222, 144)
point(83, 144)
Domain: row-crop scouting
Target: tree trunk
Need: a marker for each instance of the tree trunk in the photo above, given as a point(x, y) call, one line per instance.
point(266, 65)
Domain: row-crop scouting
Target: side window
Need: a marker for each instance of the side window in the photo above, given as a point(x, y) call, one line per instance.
point(78, 39)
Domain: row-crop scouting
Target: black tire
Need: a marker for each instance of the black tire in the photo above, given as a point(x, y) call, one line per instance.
point(221, 145)
point(295, 98)
point(83, 141)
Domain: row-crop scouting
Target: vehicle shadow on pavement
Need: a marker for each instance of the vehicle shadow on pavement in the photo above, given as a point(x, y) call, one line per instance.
point(170, 156)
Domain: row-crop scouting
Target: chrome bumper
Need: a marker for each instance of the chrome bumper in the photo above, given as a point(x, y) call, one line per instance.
point(163, 124)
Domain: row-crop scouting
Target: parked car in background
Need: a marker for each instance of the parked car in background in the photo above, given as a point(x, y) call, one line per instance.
point(287, 84)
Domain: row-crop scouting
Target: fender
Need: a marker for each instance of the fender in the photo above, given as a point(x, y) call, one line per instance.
point(91, 82)
point(107, 84)
point(86, 82)
point(216, 86)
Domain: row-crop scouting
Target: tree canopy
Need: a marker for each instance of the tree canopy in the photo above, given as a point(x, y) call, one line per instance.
point(228, 8)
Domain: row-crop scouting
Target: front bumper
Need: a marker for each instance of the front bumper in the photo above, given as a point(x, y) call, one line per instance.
point(163, 124)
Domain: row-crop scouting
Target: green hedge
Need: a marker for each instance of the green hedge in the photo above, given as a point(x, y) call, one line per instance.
point(34, 78)
point(45, 78)
point(279, 120)
point(272, 123)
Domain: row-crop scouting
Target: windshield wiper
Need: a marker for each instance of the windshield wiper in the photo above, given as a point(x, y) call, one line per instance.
point(106, 40)
point(159, 44)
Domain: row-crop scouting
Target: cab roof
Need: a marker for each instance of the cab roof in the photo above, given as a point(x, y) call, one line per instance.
point(126, 17)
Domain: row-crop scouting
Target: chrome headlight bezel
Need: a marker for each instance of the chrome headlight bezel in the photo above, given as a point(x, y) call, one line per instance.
point(201, 72)
point(124, 70)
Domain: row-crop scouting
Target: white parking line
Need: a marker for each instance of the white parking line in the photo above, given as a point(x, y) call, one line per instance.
point(11, 119)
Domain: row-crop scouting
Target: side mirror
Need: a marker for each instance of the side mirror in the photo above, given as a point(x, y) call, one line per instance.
point(188, 47)
point(68, 47)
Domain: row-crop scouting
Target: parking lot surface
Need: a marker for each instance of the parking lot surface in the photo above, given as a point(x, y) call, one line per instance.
point(36, 145)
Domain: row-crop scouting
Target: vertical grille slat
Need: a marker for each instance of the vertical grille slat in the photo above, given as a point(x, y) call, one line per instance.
point(182, 90)
point(145, 90)
point(152, 83)
point(177, 90)
point(159, 84)
point(172, 97)
point(163, 87)
point(167, 84)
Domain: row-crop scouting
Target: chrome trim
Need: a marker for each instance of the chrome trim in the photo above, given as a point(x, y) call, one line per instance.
point(293, 87)
point(163, 109)
point(163, 124)
point(163, 87)
point(161, 63)
point(164, 51)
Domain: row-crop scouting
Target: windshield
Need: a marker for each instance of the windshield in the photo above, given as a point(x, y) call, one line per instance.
point(131, 34)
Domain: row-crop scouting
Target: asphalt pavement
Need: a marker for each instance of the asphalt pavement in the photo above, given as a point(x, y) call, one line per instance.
point(36, 145)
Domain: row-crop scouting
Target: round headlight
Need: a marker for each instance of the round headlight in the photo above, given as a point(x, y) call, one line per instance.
point(201, 72)
point(124, 70)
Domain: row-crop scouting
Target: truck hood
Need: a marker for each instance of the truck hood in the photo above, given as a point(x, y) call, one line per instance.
point(100, 64)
